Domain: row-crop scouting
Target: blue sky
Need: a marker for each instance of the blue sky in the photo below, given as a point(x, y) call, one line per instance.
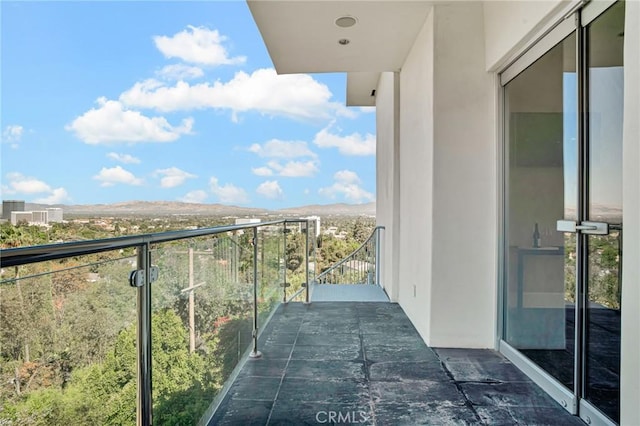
point(105, 102)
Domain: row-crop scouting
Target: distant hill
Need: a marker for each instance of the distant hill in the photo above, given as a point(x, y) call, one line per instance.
point(155, 208)
point(341, 209)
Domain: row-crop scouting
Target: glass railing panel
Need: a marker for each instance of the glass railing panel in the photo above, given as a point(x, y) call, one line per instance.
point(270, 270)
point(202, 321)
point(68, 345)
point(68, 341)
point(296, 257)
point(314, 238)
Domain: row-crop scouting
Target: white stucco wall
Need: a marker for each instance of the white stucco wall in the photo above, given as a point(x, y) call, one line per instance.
point(387, 180)
point(464, 279)
point(447, 266)
point(509, 25)
point(416, 177)
point(630, 363)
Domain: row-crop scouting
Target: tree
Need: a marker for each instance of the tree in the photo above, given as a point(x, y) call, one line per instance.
point(105, 393)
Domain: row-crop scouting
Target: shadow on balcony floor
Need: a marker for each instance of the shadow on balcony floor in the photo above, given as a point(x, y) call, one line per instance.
point(364, 363)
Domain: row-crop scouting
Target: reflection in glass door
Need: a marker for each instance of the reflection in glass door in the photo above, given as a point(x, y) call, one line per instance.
point(563, 214)
point(601, 358)
point(541, 116)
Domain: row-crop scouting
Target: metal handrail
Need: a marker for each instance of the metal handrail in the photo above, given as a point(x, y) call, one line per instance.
point(33, 254)
point(374, 234)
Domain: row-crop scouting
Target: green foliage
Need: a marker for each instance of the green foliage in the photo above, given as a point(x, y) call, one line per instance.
point(604, 270)
point(106, 393)
point(361, 230)
point(21, 235)
point(335, 249)
point(603, 273)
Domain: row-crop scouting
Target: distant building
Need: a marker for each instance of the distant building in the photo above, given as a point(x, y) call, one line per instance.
point(246, 221)
point(332, 230)
point(314, 226)
point(40, 217)
point(37, 217)
point(20, 216)
point(31, 217)
point(55, 214)
point(9, 206)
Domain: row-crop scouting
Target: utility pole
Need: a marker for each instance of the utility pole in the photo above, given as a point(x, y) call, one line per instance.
point(192, 314)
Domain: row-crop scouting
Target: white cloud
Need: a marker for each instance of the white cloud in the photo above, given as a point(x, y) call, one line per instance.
point(295, 168)
point(172, 177)
point(347, 186)
point(123, 158)
point(354, 144)
point(285, 149)
point(180, 72)
point(26, 185)
point(196, 197)
point(114, 175)
point(262, 171)
point(112, 122)
point(228, 193)
point(276, 148)
point(199, 45)
point(57, 196)
point(346, 176)
point(270, 189)
point(12, 134)
point(20, 184)
point(296, 96)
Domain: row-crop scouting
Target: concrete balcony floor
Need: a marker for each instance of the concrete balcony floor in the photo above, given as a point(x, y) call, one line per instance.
point(347, 293)
point(364, 363)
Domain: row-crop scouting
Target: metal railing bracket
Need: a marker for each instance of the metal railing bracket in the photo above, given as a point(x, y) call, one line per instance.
point(137, 277)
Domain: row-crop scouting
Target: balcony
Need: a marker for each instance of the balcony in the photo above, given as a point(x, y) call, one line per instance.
point(207, 326)
point(364, 363)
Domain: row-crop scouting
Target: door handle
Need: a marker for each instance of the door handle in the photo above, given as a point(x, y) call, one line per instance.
point(586, 227)
point(590, 228)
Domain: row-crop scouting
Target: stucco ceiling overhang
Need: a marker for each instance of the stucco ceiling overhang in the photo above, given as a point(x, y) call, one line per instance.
point(302, 37)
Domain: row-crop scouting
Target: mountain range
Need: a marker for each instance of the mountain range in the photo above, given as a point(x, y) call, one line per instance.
point(155, 208)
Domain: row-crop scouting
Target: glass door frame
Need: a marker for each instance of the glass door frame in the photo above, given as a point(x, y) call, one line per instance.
point(575, 22)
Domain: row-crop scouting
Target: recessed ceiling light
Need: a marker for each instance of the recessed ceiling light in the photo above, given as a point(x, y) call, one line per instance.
point(343, 41)
point(346, 21)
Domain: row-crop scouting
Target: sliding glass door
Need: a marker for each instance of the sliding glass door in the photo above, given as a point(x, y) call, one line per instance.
point(563, 212)
point(604, 38)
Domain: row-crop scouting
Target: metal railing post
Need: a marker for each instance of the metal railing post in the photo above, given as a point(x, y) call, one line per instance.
point(192, 311)
point(144, 413)
point(378, 256)
point(316, 232)
point(306, 256)
point(255, 353)
point(284, 257)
